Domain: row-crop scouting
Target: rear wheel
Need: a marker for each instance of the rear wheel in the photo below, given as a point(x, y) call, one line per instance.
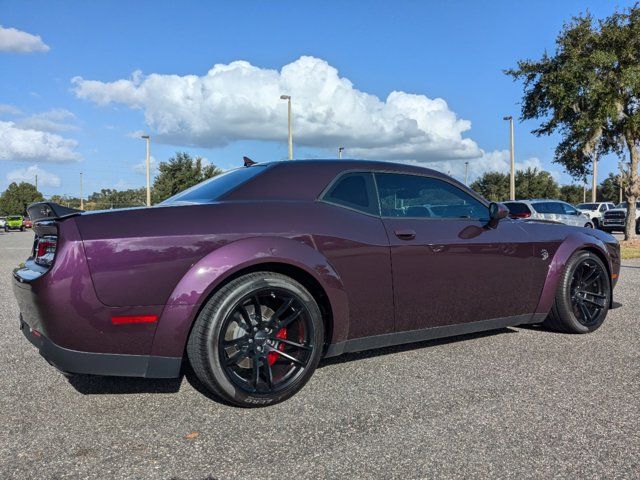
point(583, 295)
point(258, 340)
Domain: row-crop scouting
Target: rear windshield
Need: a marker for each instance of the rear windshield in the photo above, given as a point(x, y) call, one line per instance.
point(588, 206)
point(13, 219)
point(216, 187)
point(517, 208)
point(624, 205)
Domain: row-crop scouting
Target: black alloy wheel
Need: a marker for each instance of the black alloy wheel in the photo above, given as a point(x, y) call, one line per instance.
point(589, 292)
point(257, 340)
point(266, 341)
point(583, 296)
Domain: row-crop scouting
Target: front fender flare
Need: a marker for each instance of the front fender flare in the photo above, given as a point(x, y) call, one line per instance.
point(571, 244)
point(212, 270)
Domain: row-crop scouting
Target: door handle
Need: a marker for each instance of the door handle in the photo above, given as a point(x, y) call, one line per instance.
point(405, 234)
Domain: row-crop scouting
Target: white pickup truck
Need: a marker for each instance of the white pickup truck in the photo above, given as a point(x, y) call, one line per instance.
point(595, 211)
point(614, 219)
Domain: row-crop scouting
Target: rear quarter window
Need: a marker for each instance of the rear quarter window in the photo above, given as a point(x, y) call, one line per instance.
point(355, 191)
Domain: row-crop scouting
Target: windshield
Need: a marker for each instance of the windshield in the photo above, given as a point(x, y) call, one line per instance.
point(13, 219)
point(588, 206)
point(624, 205)
point(216, 187)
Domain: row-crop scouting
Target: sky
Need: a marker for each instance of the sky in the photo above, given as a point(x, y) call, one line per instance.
point(410, 81)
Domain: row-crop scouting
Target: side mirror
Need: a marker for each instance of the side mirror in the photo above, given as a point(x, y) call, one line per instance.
point(497, 211)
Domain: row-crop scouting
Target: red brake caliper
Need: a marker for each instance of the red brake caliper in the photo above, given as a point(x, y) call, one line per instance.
point(272, 356)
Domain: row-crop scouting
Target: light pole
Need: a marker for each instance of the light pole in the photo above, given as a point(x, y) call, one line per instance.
point(466, 173)
point(148, 139)
point(594, 185)
point(512, 177)
point(81, 199)
point(288, 99)
point(340, 150)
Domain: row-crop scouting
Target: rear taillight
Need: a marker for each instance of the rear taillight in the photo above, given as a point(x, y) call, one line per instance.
point(45, 250)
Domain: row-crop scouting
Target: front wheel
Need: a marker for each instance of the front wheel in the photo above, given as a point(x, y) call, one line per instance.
point(588, 225)
point(258, 340)
point(583, 296)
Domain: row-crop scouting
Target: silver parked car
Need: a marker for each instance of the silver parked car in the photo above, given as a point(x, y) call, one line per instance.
point(550, 210)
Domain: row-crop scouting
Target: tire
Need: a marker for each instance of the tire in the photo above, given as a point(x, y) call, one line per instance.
point(596, 223)
point(566, 314)
point(244, 359)
point(588, 225)
point(22, 229)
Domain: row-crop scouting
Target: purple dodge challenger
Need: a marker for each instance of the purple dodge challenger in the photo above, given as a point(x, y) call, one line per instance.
point(255, 275)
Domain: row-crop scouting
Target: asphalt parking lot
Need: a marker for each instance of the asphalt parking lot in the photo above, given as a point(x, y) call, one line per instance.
point(513, 403)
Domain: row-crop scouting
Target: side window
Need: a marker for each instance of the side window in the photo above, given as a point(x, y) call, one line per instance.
point(356, 191)
point(568, 209)
point(603, 208)
point(417, 196)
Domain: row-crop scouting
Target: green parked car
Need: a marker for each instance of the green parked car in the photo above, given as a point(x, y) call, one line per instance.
point(15, 222)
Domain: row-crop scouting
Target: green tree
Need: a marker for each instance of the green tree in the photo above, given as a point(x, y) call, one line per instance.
point(609, 189)
point(572, 194)
point(589, 91)
point(532, 183)
point(179, 173)
point(494, 186)
point(65, 200)
point(17, 197)
point(110, 198)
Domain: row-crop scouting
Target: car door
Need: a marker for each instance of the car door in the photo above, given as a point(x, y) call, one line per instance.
point(572, 216)
point(448, 266)
point(355, 242)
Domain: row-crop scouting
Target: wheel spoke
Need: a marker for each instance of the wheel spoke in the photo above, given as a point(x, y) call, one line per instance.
point(233, 359)
point(592, 276)
point(293, 344)
point(287, 356)
point(256, 373)
point(278, 313)
point(287, 321)
point(245, 317)
point(257, 310)
point(269, 374)
point(236, 341)
point(599, 300)
point(584, 311)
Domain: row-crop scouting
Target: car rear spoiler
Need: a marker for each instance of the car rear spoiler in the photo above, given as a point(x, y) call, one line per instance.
point(50, 211)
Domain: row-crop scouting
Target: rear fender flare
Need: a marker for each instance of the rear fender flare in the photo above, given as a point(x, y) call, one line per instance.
point(573, 243)
point(212, 270)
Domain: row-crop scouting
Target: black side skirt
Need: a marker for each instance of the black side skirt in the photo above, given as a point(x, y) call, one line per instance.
point(119, 365)
point(412, 336)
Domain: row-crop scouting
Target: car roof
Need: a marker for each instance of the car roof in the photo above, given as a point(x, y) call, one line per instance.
point(306, 179)
point(354, 164)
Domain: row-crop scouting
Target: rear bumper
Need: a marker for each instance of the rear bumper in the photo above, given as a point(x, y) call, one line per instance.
point(120, 365)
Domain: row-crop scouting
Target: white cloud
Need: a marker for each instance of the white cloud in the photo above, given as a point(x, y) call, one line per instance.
point(240, 101)
point(17, 41)
point(495, 161)
point(9, 110)
point(27, 145)
point(142, 166)
point(45, 179)
point(56, 120)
